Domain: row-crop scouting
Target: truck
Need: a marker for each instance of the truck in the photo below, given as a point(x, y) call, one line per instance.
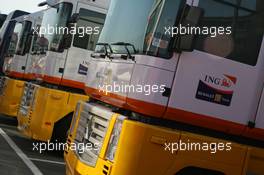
point(175, 89)
point(2, 19)
point(6, 33)
point(59, 68)
point(15, 60)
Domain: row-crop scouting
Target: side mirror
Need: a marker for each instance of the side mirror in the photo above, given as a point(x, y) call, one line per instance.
point(191, 18)
point(74, 18)
point(67, 41)
point(102, 50)
point(67, 38)
point(28, 43)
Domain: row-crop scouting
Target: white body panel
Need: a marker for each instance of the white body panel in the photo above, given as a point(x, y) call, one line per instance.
point(70, 60)
point(77, 57)
point(194, 66)
point(53, 62)
point(260, 118)
point(155, 72)
point(18, 62)
point(237, 87)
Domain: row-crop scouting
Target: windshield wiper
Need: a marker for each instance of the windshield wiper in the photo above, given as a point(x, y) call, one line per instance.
point(98, 54)
point(126, 45)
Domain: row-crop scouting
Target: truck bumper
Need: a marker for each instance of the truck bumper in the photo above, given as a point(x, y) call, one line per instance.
point(10, 96)
point(76, 167)
point(48, 106)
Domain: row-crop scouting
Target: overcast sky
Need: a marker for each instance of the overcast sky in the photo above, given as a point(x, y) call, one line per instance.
point(7, 6)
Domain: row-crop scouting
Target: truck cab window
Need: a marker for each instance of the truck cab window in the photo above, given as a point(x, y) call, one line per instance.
point(14, 39)
point(89, 27)
point(164, 15)
point(54, 25)
point(236, 29)
point(24, 39)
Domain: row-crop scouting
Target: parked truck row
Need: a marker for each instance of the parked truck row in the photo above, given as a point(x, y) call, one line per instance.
point(211, 100)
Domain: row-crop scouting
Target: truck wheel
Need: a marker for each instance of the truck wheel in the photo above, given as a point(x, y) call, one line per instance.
point(60, 131)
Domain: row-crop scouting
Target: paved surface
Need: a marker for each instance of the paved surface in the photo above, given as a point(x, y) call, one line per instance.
point(18, 158)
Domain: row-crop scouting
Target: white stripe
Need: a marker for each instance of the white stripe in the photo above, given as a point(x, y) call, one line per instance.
point(20, 153)
point(47, 161)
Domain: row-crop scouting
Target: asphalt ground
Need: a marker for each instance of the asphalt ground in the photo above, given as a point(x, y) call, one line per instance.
point(18, 157)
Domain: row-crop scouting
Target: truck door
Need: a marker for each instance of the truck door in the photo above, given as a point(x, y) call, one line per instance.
point(151, 74)
point(9, 55)
point(5, 39)
point(257, 124)
point(219, 84)
point(17, 65)
point(89, 27)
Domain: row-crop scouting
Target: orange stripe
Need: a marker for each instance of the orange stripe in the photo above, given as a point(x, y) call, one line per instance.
point(204, 121)
point(64, 82)
point(155, 110)
point(142, 107)
point(116, 100)
point(52, 80)
point(55, 80)
point(254, 133)
point(71, 83)
point(32, 76)
point(15, 74)
point(29, 76)
point(127, 103)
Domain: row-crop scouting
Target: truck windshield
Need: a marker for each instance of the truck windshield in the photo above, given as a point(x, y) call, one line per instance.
point(54, 26)
point(142, 24)
point(2, 31)
point(126, 22)
point(14, 39)
point(164, 15)
point(23, 39)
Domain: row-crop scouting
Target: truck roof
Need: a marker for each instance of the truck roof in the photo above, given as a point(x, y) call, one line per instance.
point(15, 14)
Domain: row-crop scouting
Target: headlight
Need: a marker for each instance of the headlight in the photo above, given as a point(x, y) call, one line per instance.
point(28, 98)
point(90, 132)
point(112, 146)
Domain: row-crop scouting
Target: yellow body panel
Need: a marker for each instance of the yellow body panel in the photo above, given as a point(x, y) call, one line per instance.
point(256, 161)
point(10, 97)
point(141, 151)
point(49, 106)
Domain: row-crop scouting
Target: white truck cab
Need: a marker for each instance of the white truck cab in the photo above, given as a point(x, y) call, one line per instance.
point(21, 43)
point(216, 82)
point(6, 34)
point(67, 36)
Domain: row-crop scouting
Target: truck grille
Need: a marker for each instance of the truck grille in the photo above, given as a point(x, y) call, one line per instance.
point(27, 98)
point(91, 130)
point(3, 81)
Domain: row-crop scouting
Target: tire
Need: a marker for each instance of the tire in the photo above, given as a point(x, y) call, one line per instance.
point(61, 128)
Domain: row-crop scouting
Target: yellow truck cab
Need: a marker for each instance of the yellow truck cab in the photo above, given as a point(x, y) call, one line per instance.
point(59, 68)
point(176, 88)
point(14, 61)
